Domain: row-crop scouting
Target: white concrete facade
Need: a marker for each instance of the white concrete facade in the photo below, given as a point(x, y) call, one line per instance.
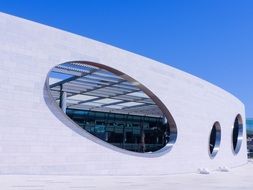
point(37, 138)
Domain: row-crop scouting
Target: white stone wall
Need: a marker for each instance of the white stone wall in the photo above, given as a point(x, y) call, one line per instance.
point(33, 140)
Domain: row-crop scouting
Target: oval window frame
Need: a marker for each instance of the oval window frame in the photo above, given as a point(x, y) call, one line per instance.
point(236, 148)
point(216, 146)
point(173, 128)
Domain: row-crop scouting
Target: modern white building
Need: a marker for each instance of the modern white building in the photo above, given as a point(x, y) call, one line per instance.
point(74, 106)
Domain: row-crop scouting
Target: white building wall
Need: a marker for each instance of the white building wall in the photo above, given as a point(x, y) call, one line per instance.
point(33, 140)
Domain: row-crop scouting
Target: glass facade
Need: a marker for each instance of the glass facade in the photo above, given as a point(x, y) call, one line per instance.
point(130, 132)
point(249, 123)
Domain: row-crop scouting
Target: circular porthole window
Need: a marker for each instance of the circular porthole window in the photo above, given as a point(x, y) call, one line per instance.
point(214, 140)
point(237, 134)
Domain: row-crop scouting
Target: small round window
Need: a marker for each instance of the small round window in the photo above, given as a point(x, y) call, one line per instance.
point(237, 134)
point(214, 140)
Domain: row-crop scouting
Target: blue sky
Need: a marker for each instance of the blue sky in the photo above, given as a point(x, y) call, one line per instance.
point(212, 39)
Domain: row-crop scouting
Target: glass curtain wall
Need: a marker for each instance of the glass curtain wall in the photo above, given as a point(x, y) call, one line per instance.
point(249, 123)
point(130, 132)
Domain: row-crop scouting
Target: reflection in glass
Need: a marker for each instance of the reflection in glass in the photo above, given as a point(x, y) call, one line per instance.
point(214, 140)
point(237, 134)
point(111, 107)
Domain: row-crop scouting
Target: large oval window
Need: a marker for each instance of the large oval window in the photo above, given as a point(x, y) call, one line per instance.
point(237, 134)
point(112, 106)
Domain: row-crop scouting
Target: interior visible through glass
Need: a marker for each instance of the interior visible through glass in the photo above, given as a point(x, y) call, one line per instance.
point(109, 107)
